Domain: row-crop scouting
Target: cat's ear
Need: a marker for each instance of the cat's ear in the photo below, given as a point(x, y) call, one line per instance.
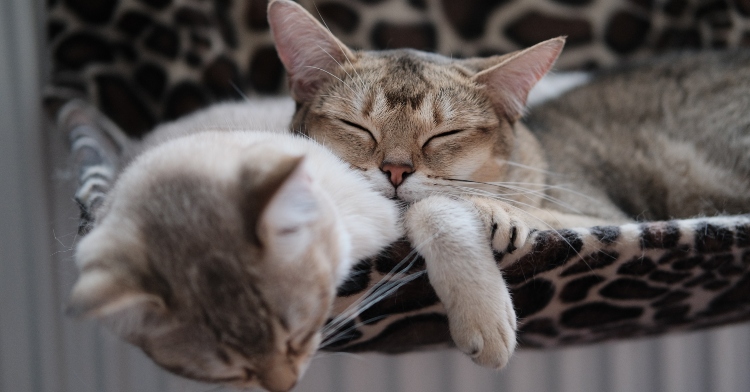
point(280, 208)
point(309, 51)
point(508, 83)
point(100, 293)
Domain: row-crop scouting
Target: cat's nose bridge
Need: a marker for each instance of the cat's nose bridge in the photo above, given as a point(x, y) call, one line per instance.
point(396, 172)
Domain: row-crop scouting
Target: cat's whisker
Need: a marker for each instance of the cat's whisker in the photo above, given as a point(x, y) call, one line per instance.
point(362, 82)
point(239, 91)
point(511, 163)
point(521, 210)
point(332, 339)
point(385, 283)
point(525, 191)
point(336, 77)
point(337, 62)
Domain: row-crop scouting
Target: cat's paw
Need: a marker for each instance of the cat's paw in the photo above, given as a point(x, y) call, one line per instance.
point(508, 228)
point(486, 330)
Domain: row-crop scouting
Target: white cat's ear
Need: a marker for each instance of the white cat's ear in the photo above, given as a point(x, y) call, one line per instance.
point(99, 293)
point(509, 82)
point(291, 205)
point(309, 51)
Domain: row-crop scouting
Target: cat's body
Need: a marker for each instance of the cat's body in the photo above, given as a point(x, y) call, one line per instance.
point(218, 251)
point(664, 139)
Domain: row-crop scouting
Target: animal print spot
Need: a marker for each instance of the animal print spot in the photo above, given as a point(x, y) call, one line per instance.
point(421, 36)
point(660, 235)
point(701, 279)
point(190, 17)
point(535, 27)
point(675, 7)
point(468, 18)
point(532, 297)
point(574, 2)
point(151, 78)
point(578, 289)
point(225, 23)
point(639, 266)
point(133, 23)
point(716, 285)
point(183, 99)
point(339, 15)
point(54, 28)
point(735, 298)
point(158, 4)
point(626, 32)
point(631, 289)
point(746, 258)
point(742, 234)
point(118, 101)
point(389, 258)
point(256, 18)
point(357, 281)
point(597, 314)
point(343, 335)
point(417, 294)
point(668, 277)
point(645, 4)
point(221, 77)
point(405, 334)
point(596, 260)
point(731, 269)
point(266, 70)
point(678, 252)
point(716, 13)
point(542, 326)
point(606, 234)
point(688, 263)
point(672, 315)
point(716, 262)
point(550, 250)
point(371, 1)
point(673, 38)
point(92, 11)
point(80, 49)
point(671, 299)
point(712, 238)
point(418, 4)
point(193, 59)
point(163, 40)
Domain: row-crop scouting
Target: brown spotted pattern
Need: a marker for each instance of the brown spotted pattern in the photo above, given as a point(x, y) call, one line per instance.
point(145, 61)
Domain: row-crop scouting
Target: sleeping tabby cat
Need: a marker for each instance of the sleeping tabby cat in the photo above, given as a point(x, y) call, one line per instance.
point(418, 124)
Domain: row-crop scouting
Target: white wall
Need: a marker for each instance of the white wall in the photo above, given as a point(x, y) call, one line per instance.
point(41, 350)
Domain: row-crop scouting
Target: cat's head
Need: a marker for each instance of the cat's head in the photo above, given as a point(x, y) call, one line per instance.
point(221, 268)
point(408, 119)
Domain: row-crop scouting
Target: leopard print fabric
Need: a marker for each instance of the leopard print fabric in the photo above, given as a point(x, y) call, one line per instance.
point(569, 286)
point(143, 62)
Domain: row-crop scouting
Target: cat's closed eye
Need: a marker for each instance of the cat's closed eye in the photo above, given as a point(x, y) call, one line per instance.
point(361, 128)
point(439, 135)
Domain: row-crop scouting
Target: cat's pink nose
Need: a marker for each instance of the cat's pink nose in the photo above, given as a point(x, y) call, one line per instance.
point(396, 172)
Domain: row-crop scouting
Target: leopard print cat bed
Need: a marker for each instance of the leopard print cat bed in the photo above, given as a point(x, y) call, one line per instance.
point(141, 62)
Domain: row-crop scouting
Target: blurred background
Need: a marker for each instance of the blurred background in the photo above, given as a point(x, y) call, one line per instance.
point(42, 350)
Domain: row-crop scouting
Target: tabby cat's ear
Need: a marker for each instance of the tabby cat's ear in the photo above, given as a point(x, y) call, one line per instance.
point(509, 82)
point(309, 51)
point(100, 293)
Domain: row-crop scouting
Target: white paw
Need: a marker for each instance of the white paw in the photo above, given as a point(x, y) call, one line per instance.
point(486, 329)
point(508, 229)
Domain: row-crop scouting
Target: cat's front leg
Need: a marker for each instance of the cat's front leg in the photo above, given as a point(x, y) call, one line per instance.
point(455, 242)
